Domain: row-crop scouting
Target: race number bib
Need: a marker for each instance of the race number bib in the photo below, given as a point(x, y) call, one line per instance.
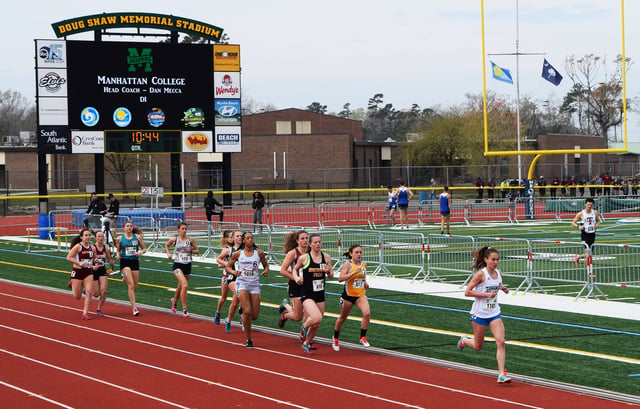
point(182, 258)
point(590, 228)
point(358, 283)
point(492, 303)
point(130, 251)
point(247, 273)
point(318, 285)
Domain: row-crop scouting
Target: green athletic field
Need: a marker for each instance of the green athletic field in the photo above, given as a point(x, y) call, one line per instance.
point(586, 350)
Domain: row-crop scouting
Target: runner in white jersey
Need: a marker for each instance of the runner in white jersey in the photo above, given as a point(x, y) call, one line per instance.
point(183, 249)
point(588, 221)
point(244, 264)
point(485, 312)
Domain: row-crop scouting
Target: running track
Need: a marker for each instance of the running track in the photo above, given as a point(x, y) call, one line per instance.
point(50, 358)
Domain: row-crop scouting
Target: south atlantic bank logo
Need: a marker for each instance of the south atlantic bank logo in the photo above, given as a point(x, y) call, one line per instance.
point(140, 59)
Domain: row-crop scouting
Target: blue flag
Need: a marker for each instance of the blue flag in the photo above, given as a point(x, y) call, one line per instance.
point(501, 74)
point(550, 74)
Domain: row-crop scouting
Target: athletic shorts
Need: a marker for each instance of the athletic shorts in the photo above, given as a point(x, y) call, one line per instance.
point(349, 298)
point(588, 238)
point(295, 289)
point(185, 268)
point(133, 264)
point(484, 321)
point(403, 206)
point(100, 272)
point(445, 213)
point(81, 274)
point(315, 296)
point(253, 286)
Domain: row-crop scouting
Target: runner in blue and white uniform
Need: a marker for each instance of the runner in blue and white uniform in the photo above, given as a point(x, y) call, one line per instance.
point(246, 262)
point(445, 209)
point(485, 311)
point(404, 194)
point(391, 205)
point(183, 249)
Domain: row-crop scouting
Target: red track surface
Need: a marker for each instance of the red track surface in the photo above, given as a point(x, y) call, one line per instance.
point(51, 358)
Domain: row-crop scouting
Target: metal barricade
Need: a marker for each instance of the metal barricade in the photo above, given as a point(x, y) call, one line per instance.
point(301, 214)
point(277, 240)
point(344, 213)
point(261, 237)
point(64, 219)
point(58, 231)
point(496, 211)
point(451, 256)
point(331, 243)
point(148, 227)
point(379, 214)
point(402, 251)
point(554, 261)
point(616, 265)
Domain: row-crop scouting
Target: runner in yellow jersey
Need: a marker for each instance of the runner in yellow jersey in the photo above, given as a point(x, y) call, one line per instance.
point(354, 275)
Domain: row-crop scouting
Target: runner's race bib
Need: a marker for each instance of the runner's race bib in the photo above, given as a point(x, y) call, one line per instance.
point(318, 285)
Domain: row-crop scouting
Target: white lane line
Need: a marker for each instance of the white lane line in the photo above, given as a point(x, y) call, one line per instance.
point(91, 378)
point(290, 377)
point(35, 395)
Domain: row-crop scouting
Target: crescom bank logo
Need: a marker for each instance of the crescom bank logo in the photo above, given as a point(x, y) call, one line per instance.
point(89, 116)
point(122, 117)
point(76, 141)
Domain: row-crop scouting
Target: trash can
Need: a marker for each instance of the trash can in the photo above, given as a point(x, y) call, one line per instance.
point(46, 221)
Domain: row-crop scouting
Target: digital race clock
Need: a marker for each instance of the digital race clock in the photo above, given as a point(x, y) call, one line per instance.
point(142, 141)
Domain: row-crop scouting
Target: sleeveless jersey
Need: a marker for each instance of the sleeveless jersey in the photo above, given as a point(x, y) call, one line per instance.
point(403, 196)
point(589, 221)
point(354, 286)
point(248, 266)
point(313, 276)
point(84, 257)
point(101, 256)
point(392, 199)
point(487, 307)
point(180, 253)
point(444, 203)
point(128, 247)
point(293, 264)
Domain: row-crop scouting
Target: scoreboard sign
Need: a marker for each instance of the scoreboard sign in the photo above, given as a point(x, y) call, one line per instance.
point(141, 94)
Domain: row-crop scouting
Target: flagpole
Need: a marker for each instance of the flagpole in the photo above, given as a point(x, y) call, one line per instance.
point(518, 92)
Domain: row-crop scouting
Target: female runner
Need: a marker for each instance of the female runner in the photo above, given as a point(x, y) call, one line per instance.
point(130, 247)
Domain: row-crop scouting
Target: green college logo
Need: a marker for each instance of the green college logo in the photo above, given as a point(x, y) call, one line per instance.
point(135, 59)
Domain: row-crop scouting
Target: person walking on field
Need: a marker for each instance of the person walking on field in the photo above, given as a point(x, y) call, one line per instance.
point(485, 312)
point(184, 247)
point(445, 210)
point(391, 205)
point(588, 221)
point(354, 276)
point(403, 194)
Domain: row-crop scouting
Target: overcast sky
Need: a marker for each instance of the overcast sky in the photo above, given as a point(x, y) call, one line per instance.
point(420, 52)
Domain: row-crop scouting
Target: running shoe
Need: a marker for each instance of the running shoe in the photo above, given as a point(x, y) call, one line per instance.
point(112, 273)
point(173, 305)
point(335, 344)
point(136, 312)
point(281, 320)
point(249, 344)
point(282, 307)
point(216, 318)
point(306, 349)
point(227, 325)
point(577, 260)
point(303, 334)
point(461, 343)
point(99, 313)
point(503, 378)
point(85, 317)
point(185, 313)
point(363, 341)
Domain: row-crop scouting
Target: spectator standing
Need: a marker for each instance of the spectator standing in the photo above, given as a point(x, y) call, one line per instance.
point(210, 204)
point(96, 209)
point(392, 203)
point(554, 187)
point(625, 187)
point(491, 186)
point(543, 186)
point(572, 186)
point(504, 188)
point(112, 213)
point(404, 194)
point(606, 181)
point(480, 188)
point(634, 186)
point(592, 186)
point(433, 189)
point(445, 210)
point(257, 204)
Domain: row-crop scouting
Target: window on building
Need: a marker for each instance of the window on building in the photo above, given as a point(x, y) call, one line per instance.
point(283, 127)
point(303, 127)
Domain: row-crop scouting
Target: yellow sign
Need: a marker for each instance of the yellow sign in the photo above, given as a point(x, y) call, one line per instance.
point(226, 57)
point(116, 20)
